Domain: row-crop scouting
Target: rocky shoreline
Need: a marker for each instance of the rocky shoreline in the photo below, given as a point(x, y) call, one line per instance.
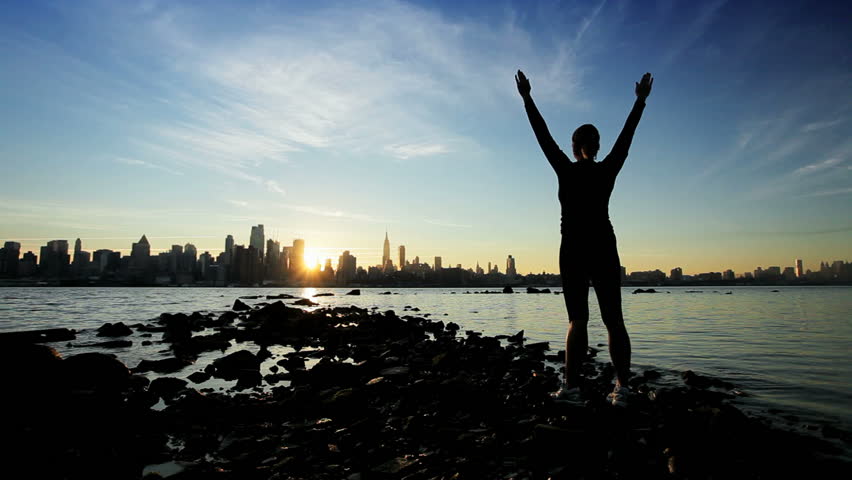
point(361, 394)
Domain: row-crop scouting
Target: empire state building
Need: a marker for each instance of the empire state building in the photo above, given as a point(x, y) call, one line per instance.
point(386, 252)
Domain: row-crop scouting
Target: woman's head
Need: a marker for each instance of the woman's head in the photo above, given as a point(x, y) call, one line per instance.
point(586, 142)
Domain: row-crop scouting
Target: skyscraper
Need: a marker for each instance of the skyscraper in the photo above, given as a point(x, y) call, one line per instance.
point(437, 263)
point(257, 239)
point(799, 272)
point(229, 250)
point(401, 256)
point(386, 251)
point(297, 256)
point(11, 251)
point(510, 267)
point(78, 247)
point(346, 268)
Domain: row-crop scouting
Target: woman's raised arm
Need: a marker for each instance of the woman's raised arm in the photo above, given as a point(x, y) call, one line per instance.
point(549, 146)
point(619, 151)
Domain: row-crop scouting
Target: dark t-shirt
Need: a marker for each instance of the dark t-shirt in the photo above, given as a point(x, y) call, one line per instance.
point(585, 187)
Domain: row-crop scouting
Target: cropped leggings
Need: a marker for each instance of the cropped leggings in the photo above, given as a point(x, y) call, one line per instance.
point(595, 259)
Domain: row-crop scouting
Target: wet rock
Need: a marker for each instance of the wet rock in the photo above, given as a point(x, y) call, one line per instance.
point(38, 336)
point(145, 343)
point(227, 318)
point(167, 387)
point(305, 302)
point(649, 290)
point(354, 292)
point(235, 365)
point(96, 371)
point(508, 290)
point(240, 306)
point(114, 330)
point(250, 297)
point(199, 377)
point(166, 365)
point(326, 294)
point(280, 296)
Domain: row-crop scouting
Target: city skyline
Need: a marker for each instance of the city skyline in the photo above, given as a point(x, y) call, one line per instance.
point(312, 258)
point(332, 121)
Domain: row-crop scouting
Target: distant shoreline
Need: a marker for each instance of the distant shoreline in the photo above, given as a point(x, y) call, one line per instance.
point(519, 287)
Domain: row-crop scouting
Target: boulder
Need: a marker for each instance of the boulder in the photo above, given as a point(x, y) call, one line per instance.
point(354, 292)
point(239, 306)
point(167, 387)
point(38, 336)
point(166, 365)
point(508, 290)
point(199, 377)
point(326, 294)
point(114, 330)
point(305, 302)
point(100, 372)
point(235, 365)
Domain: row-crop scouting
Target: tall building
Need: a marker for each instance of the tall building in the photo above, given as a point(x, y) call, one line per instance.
point(401, 256)
point(510, 267)
point(676, 274)
point(386, 251)
point(297, 256)
point(272, 261)
point(28, 264)
point(257, 239)
point(78, 247)
point(437, 263)
point(229, 249)
point(286, 254)
point(140, 253)
point(54, 259)
point(799, 272)
point(346, 268)
point(9, 255)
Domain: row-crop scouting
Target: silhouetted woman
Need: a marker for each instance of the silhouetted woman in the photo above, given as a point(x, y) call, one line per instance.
point(588, 249)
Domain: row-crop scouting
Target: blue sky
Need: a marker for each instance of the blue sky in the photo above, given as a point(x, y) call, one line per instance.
point(333, 121)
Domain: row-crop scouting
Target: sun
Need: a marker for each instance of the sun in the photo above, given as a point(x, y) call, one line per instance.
point(312, 257)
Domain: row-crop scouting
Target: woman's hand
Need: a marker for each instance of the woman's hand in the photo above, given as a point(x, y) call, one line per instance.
point(524, 84)
point(643, 87)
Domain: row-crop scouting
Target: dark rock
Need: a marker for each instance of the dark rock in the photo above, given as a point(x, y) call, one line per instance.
point(508, 290)
point(38, 336)
point(166, 365)
point(145, 343)
point(96, 371)
point(326, 294)
point(236, 364)
point(240, 306)
point(639, 290)
point(305, 302)
point(516, 338)
point(533, 290)
point(227, 318)
point(114, 330)
point(167, 387)
point(280, 296)
point(250, 297)
point(199, 377)
point(354, 292)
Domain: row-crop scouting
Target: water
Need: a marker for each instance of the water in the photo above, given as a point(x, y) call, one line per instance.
point(789, 350)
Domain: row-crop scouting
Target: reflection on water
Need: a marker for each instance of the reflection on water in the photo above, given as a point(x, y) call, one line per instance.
point(789, 349)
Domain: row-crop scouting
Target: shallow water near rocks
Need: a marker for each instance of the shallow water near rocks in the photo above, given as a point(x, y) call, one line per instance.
point(789, 350)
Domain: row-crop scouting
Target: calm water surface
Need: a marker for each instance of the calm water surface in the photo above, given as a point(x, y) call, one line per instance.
point(790, 350)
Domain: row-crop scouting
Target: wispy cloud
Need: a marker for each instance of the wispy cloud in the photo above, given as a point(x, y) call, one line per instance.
point(238, 203)
point(816, 167)
point(142, 163)
point(405, 152)
point(810, 127)
point(825, 193)
point(693, 31)
point(273, 186)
